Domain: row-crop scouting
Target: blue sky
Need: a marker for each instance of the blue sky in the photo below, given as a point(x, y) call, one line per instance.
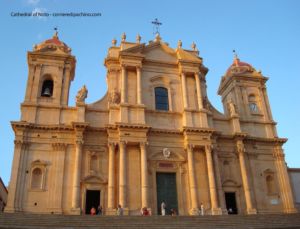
point(265, 33)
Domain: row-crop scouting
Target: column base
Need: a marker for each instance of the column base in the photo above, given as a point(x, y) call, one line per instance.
point(251, 211)
point(9, 210)
point(290, 210)
point(216, 211)
point(224, 211)
point(111, 211)
point(56, 211)
point(194, 211)
point(76, 211)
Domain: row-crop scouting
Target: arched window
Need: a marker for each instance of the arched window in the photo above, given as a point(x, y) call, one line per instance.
point(47, 88)
point(36, 178)
point(270, 184)
point(252, 103)
point(161, 99)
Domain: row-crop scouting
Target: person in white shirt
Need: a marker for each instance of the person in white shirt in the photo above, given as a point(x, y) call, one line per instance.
point(163, 208)
point(202, 209)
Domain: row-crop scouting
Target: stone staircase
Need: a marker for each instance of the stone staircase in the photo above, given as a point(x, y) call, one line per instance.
point(34, 221)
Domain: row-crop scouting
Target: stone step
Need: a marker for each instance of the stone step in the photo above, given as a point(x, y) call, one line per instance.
point(18, 220)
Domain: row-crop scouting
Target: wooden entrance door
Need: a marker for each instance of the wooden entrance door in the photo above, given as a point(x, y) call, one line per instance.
point(166, 190)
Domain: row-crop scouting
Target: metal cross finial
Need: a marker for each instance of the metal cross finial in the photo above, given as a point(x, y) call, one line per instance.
point(235, 59)
point(56, 32)
point(235, 54)
point(156, 23)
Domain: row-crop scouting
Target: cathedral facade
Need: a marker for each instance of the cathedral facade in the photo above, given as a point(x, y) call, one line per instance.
point(154, 137)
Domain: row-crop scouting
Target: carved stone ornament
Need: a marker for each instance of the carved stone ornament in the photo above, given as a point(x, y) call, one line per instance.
point(166, 152)
point(82, 94)
point(231, 108)
point(114, 97)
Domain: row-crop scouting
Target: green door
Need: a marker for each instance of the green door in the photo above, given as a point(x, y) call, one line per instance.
point(166, 191)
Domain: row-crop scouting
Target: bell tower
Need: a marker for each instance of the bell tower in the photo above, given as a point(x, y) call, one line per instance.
point(244, 95)
point(51, 70)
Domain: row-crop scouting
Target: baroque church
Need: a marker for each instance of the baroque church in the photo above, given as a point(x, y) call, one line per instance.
point(153, 137)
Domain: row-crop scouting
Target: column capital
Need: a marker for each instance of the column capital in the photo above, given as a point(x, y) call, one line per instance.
point(124, 66)
point(182, 73)
point(240, 147)
point(209, 148)
point(112, 143)
point(122, 143)
point(113, 70)
point(189, 146)
point(79, 142)
point(138, 67)
point(278, 155)
point(143, 144)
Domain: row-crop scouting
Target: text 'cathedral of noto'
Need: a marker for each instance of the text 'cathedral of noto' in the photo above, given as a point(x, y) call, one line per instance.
point(153, 137)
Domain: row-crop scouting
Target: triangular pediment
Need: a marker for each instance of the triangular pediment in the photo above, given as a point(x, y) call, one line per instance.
point(159, 51)
point(94, 179)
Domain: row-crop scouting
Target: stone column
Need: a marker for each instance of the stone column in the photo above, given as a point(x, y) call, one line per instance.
point(77, 176)
point(123, 85)
point(111, 176)
point(241, 152)
point(192, 181)
point(139, 85)
point(144, 175)
point(215, 210)
point(184, 93)
point(218, 181)
point(199, 95)
point(284, 181)
point(122, 174)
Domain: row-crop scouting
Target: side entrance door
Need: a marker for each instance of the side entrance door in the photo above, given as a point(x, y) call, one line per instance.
point(92, 200)
point(231, 206)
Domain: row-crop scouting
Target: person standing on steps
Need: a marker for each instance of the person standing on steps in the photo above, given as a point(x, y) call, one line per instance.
point(163, 208)
point(93, 211)
point(119, 210)
point(99, 210)
point(202, 209)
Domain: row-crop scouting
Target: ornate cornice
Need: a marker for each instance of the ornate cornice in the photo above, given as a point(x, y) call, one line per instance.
point(132, 126)
point(165, 131)
point(197, 130)
point(96, 129)
point(79, 126)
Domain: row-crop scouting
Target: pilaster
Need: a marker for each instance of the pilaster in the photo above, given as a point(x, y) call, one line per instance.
point(55, 200)
point(284, 181)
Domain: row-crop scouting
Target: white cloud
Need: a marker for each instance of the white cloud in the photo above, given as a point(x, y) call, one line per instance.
point(32, 2)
